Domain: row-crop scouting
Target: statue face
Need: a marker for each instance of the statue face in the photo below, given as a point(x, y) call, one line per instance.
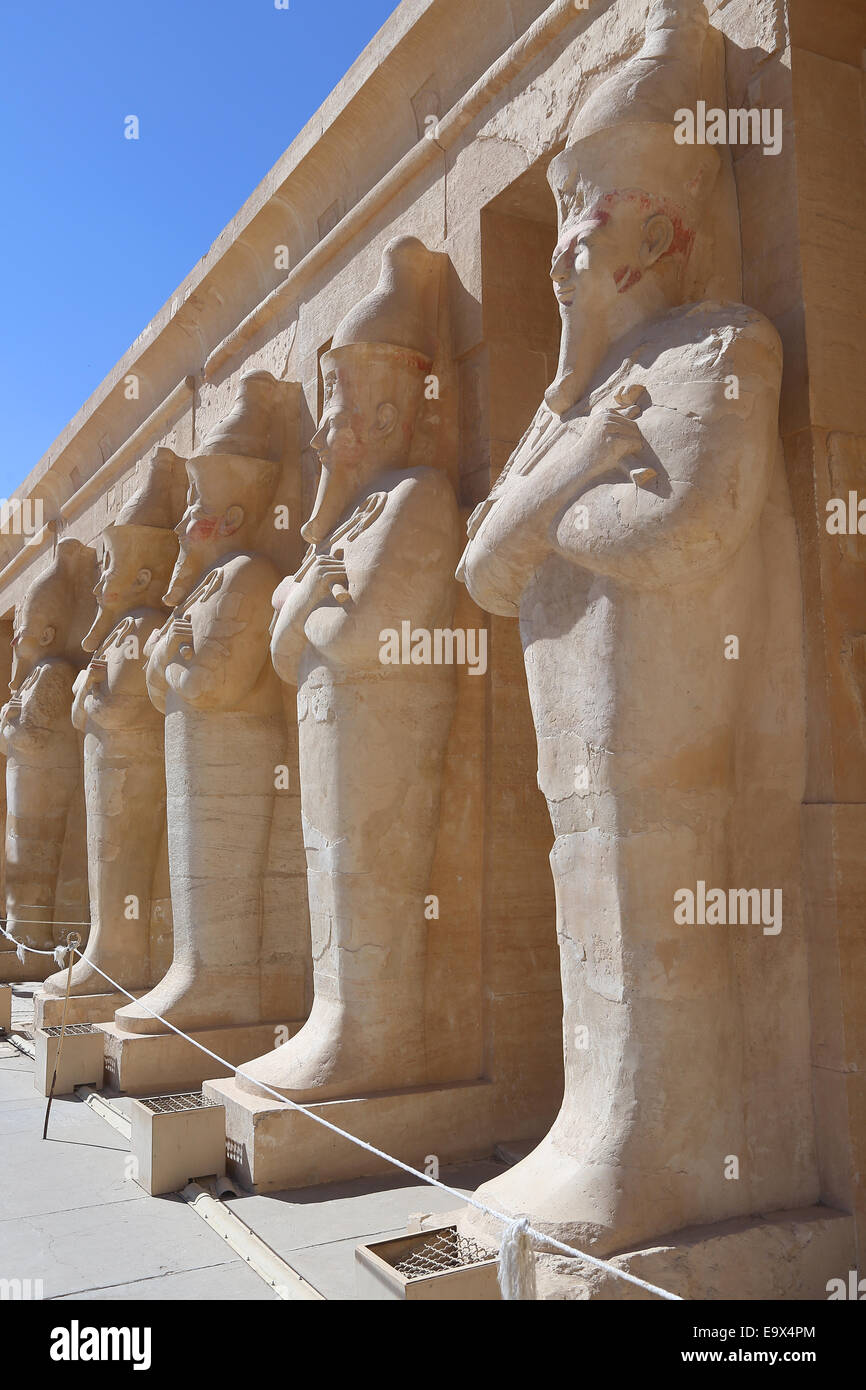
point(600, 278)
point(122, 581)
point(341, 437)
point(116, 583)
point(34, 635)
point(598, 256)
point(202, 532)
point(346, 431)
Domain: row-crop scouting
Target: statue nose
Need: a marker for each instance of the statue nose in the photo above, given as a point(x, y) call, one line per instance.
point(561, 262)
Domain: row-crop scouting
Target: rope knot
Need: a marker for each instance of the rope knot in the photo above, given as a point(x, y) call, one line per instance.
point(517, 1262)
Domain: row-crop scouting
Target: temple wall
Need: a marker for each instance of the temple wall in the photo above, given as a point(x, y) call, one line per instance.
point(502, 80)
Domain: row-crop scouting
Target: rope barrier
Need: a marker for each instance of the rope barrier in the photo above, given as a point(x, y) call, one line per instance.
point(517, 1229)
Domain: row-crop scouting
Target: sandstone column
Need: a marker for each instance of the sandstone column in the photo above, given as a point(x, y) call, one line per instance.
point(209, 670)
point(642, 523)
point(383, 543)
point(43, 751)
point(124, 758)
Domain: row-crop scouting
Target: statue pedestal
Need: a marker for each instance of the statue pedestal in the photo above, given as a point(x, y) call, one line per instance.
point(785, 1255)
point(12, 972)
point(83, 1008)
point(271, 1147)
point(146, 1064)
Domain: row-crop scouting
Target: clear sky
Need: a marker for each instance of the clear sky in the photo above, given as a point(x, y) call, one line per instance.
point(97, 230)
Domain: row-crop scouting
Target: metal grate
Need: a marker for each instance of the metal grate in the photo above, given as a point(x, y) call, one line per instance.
point(72, 1030)
point(183, 1100)
point(442, 1251)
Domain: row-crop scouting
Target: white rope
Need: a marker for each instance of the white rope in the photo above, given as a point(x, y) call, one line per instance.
point(45, 922)
point(31, 950)
point(516, 1228)
point(517, 1263)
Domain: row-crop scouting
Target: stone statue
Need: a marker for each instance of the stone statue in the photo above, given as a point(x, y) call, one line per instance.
point(124, 758)
point(209, 670)
point(43, 751)
point(384, 538)
point(640, 525)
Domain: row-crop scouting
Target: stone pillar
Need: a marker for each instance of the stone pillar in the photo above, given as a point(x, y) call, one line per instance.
point(642, 534)
point(124, 758)
point(373, 721)
point(43, 752)
point(208, 669)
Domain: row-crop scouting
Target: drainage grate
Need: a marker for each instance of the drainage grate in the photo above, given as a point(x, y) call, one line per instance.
point(72, 1030)
point(184, 1100)
point(442, 1251)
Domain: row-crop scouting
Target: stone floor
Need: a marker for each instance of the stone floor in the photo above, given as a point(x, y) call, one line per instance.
point(70, 1217)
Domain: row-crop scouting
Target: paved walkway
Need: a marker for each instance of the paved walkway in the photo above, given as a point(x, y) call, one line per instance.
point(70, 1216)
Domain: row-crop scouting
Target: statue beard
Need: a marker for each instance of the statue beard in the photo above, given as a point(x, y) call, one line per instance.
point(20, 671)
point(586, 336)
point(572, 372)
point(104, 623)
point(189, 565)
point(336, 492)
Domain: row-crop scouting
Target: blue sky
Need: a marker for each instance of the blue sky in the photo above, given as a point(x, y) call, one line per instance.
point(98, 230)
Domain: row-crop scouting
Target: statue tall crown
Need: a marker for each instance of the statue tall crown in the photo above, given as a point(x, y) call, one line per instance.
point(622, 138)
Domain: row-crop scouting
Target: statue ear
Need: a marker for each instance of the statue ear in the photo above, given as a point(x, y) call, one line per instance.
point(48, 635)
point(143, 578)
point(233, 519)
point(658, 236)
point(386, 419)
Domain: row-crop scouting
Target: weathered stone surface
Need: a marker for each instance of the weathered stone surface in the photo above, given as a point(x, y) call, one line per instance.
point(698, 759)
point(43, 761)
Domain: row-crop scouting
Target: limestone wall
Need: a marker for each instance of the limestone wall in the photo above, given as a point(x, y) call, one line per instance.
point(502, 78)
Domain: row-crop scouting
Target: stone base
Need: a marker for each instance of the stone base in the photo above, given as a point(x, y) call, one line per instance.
point(81, 1062)
point(271, 1147)
point(6, 1008)
point(147, 1064)
point(787, 1255)
point(175, 1147)
point(34, 967)
point(83, 1008)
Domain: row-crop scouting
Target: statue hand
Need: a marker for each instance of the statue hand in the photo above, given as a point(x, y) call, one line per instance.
point(320, 577)
point(609, 437)
point(179, 640)
point(95, 673)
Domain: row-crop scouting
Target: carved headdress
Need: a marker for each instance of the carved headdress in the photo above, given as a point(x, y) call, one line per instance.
point(382, 350)
point(157, 502)
point(63, 596)
point(144, 528)
point(397, 318)
point(622, 138)
point(246, 446)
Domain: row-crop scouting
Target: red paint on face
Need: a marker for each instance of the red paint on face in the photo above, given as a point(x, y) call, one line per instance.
point(681, 244)
point(625, 277)
point(683, 237)
point(205, 528)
